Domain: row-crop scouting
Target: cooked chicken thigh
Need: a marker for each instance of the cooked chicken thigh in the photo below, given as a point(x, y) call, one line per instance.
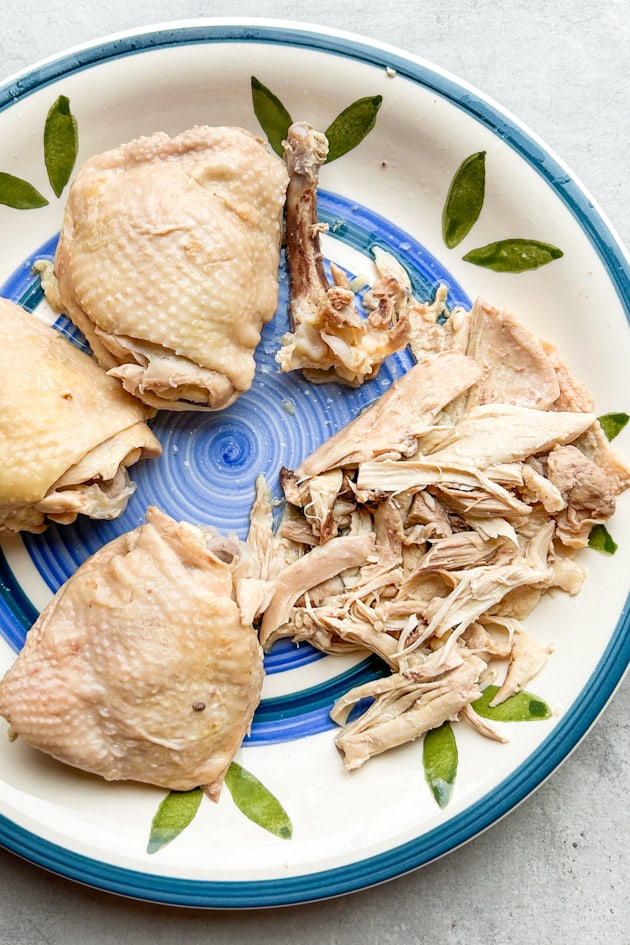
point(67, 431)
point(168, 262)
point(141, 668)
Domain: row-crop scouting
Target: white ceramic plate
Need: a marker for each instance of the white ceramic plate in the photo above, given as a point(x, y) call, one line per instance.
point(349, 830)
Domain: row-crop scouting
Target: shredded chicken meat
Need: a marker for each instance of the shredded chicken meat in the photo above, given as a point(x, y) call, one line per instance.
point(429, 528)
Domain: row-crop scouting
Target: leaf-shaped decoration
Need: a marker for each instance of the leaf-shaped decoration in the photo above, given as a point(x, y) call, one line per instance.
point(352, 125)
point(513, 255)
point(273, 117)
point(61, 144)
point(613, 423)
point(173, 815)
point(257, 803)
point(19, 194)
point(600, 539)
point(465, 199)
point(439, 757)
point(521, 707)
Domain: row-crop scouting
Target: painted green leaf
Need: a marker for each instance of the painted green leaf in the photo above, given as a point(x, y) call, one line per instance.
point(521, 707)
point(173, 815)
point(19, 194)
point(613, 423)
point(61, 144)
point(273, 117)
point(352, 125)
point(257, 803)
point(513, 255)
point(439, 757)
point(601, 540)
point(465, 199)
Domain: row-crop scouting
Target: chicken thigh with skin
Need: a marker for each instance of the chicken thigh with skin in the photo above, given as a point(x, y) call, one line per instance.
point(168, 262)
point(67, 431)
point(141, 667)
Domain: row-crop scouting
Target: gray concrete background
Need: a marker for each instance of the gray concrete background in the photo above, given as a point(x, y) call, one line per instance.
point(556, 869)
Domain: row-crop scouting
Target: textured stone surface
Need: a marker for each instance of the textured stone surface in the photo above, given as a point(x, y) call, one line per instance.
point(555, 870)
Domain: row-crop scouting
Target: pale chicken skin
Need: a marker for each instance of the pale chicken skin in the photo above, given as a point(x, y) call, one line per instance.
point(141, 667)
point(68, 432)
point(168, 262)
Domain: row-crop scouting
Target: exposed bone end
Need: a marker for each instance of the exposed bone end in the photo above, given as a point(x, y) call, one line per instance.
point(305, 150)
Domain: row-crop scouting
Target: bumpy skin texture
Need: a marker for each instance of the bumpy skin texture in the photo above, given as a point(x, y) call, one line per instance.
point(60, 415)
point(141, 668)
point(168, 262)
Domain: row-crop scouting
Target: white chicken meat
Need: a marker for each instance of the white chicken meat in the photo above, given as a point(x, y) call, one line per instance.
point(477, 476)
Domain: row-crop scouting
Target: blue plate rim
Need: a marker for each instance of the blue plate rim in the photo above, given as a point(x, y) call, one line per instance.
point(611, 668)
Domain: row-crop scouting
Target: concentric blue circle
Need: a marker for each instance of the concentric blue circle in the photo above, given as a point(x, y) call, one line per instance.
point(191, 491)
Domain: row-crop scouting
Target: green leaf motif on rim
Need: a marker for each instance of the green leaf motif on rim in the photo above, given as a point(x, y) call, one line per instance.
point(601, 540)
point(257, 803)
point(613, 423)
point(522, 707)
point(351, 126)
point(173, 815)
point(513, 255)
point(19, 194)
point(273, 117)
point(61, 144)
point(465, 199)
point(347, 130)
point(440, 758)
